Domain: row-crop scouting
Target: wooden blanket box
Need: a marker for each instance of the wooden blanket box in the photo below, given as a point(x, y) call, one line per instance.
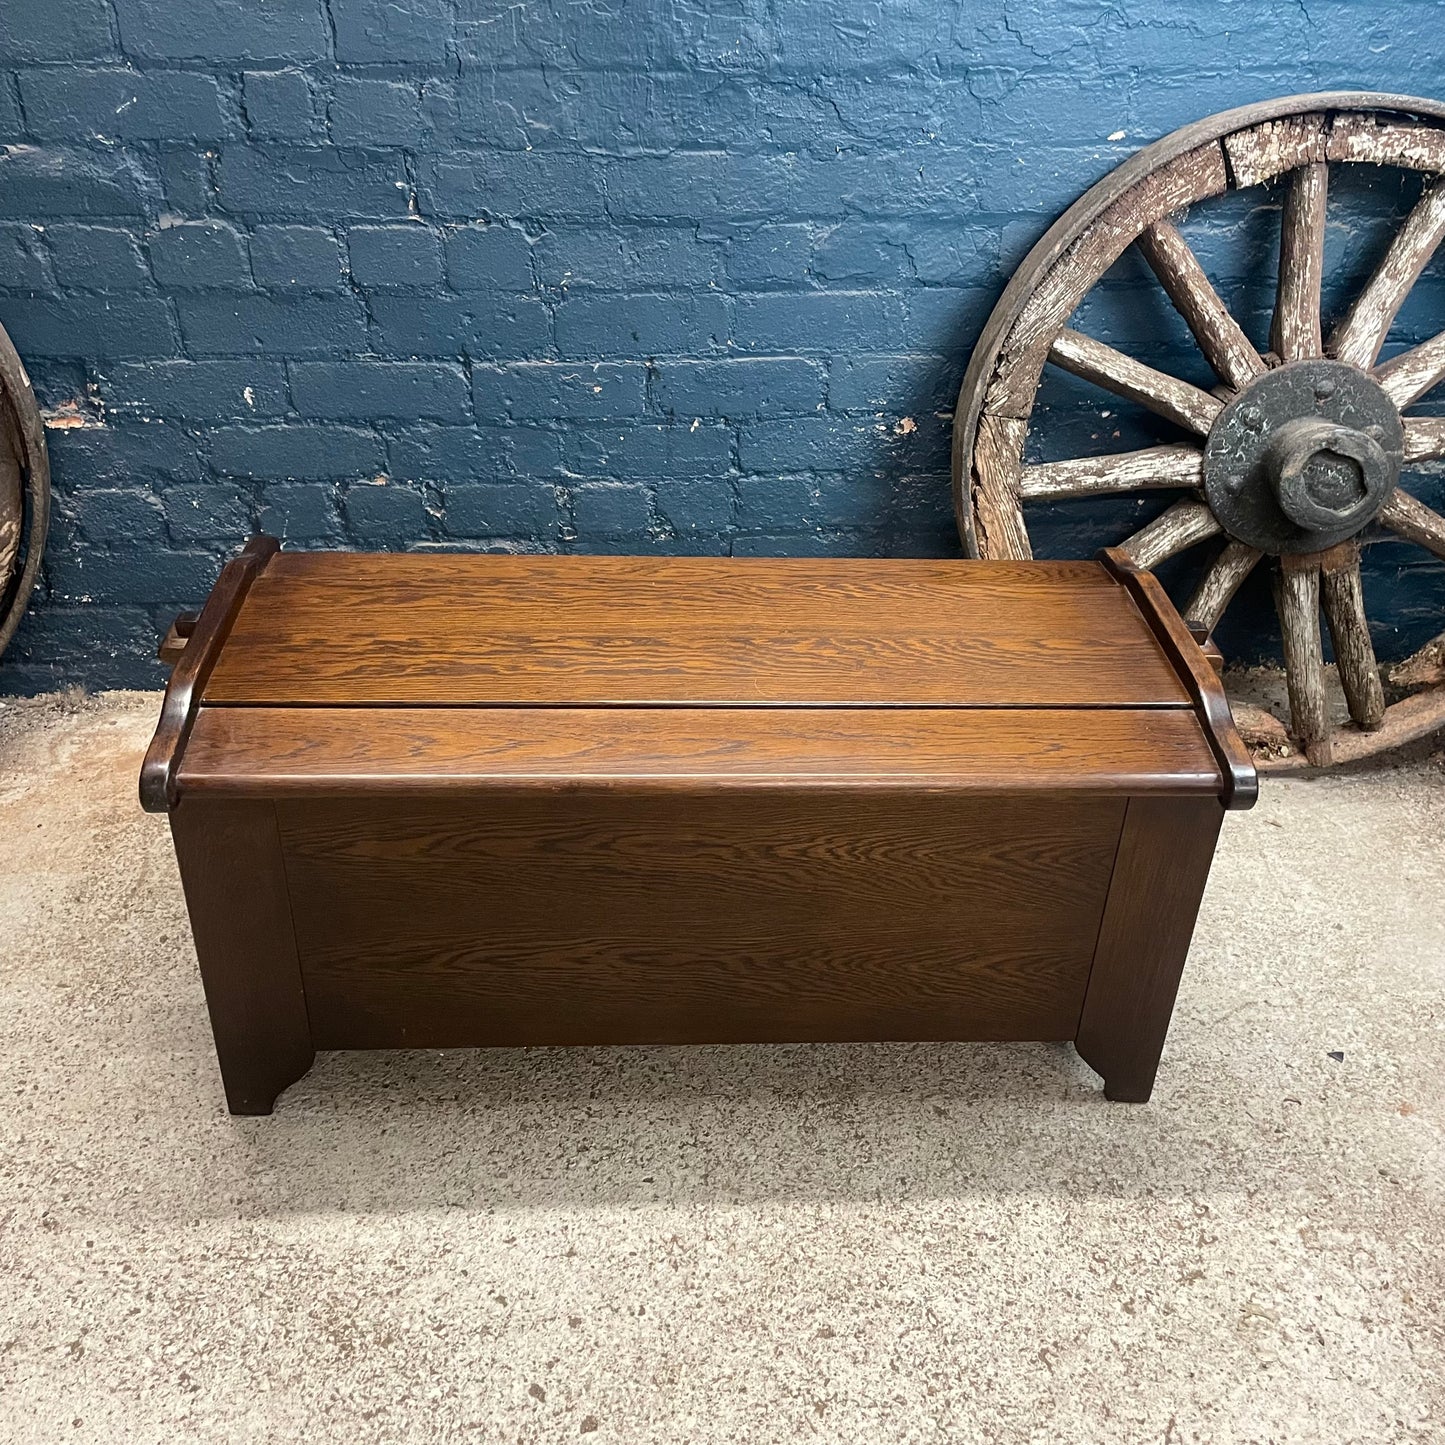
point(446, 801)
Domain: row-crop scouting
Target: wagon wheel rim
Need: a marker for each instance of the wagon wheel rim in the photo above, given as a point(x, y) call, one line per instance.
point(1264, 443)
point(24, 490)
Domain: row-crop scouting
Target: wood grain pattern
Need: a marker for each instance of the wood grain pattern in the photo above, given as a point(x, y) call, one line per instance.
point(994, 485)
point(1161, 467)
point(230, 860)
point(1159, 876)
point(1297, 600)
point(193, 670)
point(611, 918)
point(1261, 152)
point(1380, 141)
point(1408, 376)
point(1176, 183)
point(1200, 160)
point(1241, 780)
point(334, 751)
point(1184, 525)
point(1225, 346)
point(346, 629)
point(1424, 438)
point(1412, 519)
point(1343, 598)
point(425, 801)
point(1220, 582)
point(1295, 333)
point(1180, 402)
point(1362, 333)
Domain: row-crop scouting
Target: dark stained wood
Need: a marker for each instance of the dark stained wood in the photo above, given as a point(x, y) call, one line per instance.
point(1241, 780)
point(334, 628)
point(193, 668)
point(236, 890)
point(1212, 655)
point(1158, 882)
point(278, 752)
point(173, 644)
point(615, 918)
point(437, 801)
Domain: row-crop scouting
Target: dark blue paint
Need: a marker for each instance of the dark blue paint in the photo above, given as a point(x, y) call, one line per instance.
point(200, 255)
point(296, 258)
point(280, 105)
point(650, 275)
point(386, 257)
point(96, 258)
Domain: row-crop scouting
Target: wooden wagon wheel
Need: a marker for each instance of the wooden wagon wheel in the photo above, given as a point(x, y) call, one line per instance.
point(1297, 451)
point(24, 490)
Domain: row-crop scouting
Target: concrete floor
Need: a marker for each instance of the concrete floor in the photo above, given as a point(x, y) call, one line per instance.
point(855, 1244)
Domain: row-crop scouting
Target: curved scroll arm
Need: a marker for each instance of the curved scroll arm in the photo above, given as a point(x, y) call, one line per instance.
point(1239, 779)
point(192, 671)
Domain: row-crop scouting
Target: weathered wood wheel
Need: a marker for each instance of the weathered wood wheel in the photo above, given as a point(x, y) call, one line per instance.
point(1296, 452)
point(24, 490)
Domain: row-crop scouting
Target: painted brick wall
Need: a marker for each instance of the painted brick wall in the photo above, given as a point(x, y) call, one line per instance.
point(687, 275)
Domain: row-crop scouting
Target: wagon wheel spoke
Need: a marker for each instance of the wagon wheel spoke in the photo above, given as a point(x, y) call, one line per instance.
point(1424, 438)
point(1408, 376)
point(1225, 346)
point(1414, 521)
point(1344, 604)
point(1217, 587)
point(1170, 533)
point(1188, 406)
point(1244, 464)
point(1297, 600)
point(1152, 468)
point(1295, 334)
point(1362, 333)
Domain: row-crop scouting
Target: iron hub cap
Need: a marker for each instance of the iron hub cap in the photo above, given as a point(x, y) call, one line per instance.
point(1304, 457)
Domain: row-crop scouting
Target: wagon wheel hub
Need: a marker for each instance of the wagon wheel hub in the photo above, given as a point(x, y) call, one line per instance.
point(1304, 457)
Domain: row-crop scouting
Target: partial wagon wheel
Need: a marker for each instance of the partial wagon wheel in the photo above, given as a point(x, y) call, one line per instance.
point(24, 490)
point(1297, 451)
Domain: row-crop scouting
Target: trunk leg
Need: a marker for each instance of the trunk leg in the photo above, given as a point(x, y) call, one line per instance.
point(1159, 875)
point(230, 858)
